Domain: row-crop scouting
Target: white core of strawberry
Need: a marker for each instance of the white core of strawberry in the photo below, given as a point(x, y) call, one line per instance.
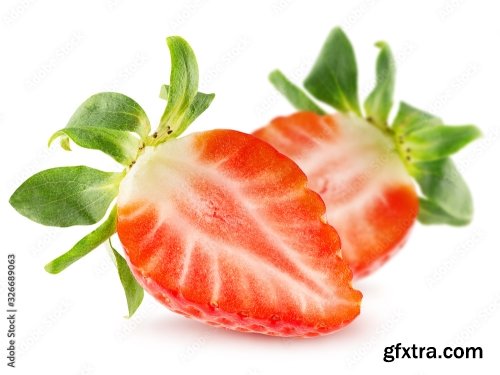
point(360, 165)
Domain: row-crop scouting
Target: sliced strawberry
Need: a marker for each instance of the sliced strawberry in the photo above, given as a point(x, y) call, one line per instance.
point(220, 227)
point(363, 164)
point(370, 198)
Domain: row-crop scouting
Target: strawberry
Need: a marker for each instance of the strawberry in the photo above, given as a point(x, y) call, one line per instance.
point(371, 199)
point(218, 226)
point(365, 169)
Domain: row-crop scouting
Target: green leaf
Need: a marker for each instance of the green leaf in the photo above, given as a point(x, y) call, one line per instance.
point(85, 245)
point(64, 142)
point(183, 76)
point(106, 122)
point(120, 145)
point(199, 104)
point(182, 89)
point(333, 78)
point(293, 93)
point(66, 196)
point(421, 136)
point(431, 213)
point(439, 141)
point(379, 103)
point(133, 291)
point(164, 92)
point(423, 143)
point(111, 110)
point(410, 118)
point(450, 200)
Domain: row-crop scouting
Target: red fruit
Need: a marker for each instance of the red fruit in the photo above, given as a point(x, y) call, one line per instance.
point(362, 163)
point(220, 227)
point(370, 198)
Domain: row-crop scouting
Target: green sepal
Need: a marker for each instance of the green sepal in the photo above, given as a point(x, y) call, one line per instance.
point(439, 141)
point(446, 191)
point(66, 196)
point(64, 143)
point(133, 291)
point(378, 104)
point(183, 78)
point(430, 213)
point(334, 76)
point(410, 118)
point(109, 122)
point(295, 95)
point(85, 245)
point(199, 104)
point(111, 110)
point(420, 136)
point(184, 102)
point(164, 92)
point(446, 197)
point(122, 146)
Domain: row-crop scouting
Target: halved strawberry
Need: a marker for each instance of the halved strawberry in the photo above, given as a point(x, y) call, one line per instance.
point(219, 226)
point(363, 167)
point(370, 198)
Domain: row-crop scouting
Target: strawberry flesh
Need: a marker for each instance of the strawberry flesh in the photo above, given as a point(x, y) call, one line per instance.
point(370, 198)
point(220, 227)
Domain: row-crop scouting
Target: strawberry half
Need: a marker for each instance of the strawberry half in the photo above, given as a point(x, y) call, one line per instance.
point(371, 199)
point(364, 168)
point(217, 226)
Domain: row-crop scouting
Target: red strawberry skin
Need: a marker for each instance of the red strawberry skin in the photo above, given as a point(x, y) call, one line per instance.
point(370, 198)
point(220, 227)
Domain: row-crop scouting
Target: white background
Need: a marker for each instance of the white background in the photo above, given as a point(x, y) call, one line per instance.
point(442, 289)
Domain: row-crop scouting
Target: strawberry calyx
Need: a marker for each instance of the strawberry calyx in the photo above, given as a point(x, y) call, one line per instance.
point(184, 102)
point(422, 141)
point(116, 125)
